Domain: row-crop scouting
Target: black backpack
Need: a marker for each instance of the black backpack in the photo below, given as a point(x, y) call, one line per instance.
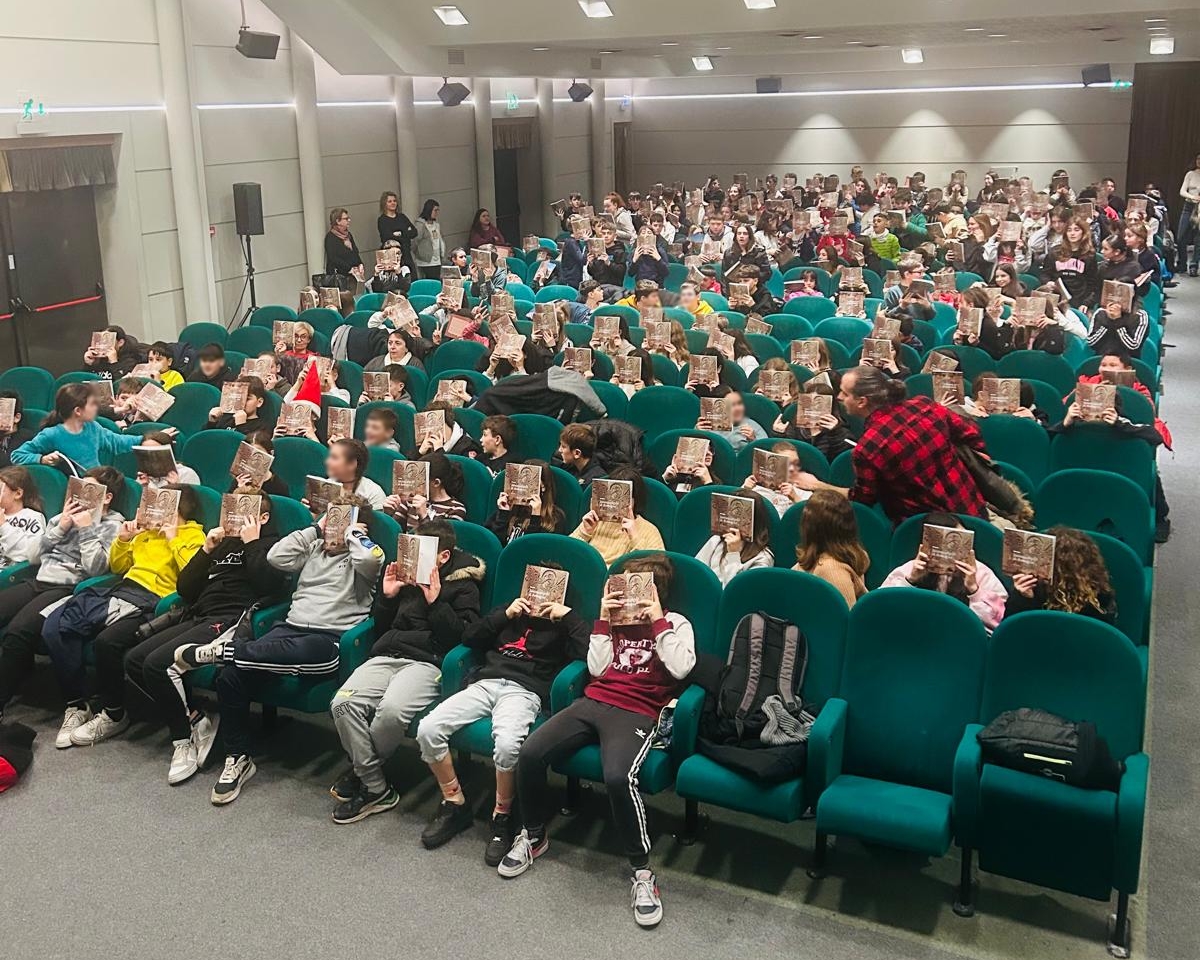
point(767, 656)
point(1044, 744)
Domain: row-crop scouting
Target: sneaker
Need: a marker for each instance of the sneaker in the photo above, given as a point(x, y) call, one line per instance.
point(204, 735)
point(73, 719)
point(520, 858)
point(193, 656)
point(347, 787)
point(362, 805)
point(647, 905)
point(450, 820)
point(501, 841)
point(237, 771)
point(100, 727)
point(1162, 531)
point(183, 762)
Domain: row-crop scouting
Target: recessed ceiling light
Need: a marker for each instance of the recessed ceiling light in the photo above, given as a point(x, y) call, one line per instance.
point(540, 49)
point(760, 4)
point(997, 36)
point(912, 55)
point(1162, 46)
point(1155, 29)
point(853, 43)
point(451, 16)
point(604, 52)
point(814, 37)
point(1156, 20)
point(596, 9)
point(669, 43)
point(973, 29)
point(702, 63)
point(724, 48)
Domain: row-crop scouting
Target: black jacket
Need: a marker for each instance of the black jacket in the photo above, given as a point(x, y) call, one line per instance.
point(647, 268)
point(389, 227)
point(220, 585)
point(508, 526)
point(224, 375)
point(756, 257)
point(528, 650)
point(225, 421)
point(10, 441)
point(612, 272)
point(338, 257)
point(1018, 603)
point(426, 632)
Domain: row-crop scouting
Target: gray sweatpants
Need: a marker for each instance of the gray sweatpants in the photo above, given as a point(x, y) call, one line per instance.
point(513, 710)
point(374, 707)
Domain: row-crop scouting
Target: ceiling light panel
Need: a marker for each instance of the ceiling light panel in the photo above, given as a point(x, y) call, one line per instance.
point(451, 16)
point(596, 9)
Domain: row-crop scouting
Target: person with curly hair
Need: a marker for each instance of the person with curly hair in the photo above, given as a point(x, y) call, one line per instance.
point(1081, 582)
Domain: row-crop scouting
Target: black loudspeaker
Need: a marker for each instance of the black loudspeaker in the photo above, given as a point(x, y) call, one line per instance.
point(257, 45)
point(452, 94)
point(768, 85)
point(247, 209)
point(579, 91)
point(1097, 73)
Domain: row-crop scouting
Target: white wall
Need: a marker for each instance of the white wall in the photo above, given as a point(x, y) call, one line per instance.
point(446, 160)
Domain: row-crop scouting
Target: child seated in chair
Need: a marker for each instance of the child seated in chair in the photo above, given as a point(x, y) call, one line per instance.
point(1081, 583)
point(247, 420)
point(788, 493)
point(727, 554)
point(445, 500)
point(22, 521)
point(541, 515)
point(452, 439)
point(496, 438)
point(181, 474)
point(830, 435)
point(615, 538)
point(379, 430)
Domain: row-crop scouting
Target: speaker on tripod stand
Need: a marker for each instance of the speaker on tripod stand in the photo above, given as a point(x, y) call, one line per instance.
point(248, 215)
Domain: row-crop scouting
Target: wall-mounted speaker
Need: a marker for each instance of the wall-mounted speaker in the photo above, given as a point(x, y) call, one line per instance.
point(247, 209)
point(257, 45)
point(1097, 73)
point(579, 91)
point(452, 94)
point(768, 85)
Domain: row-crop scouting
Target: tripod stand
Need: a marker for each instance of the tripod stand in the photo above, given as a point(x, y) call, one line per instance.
point(249, 254)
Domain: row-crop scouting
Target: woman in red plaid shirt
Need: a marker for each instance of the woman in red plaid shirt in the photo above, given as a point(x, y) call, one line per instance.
point(907, 460)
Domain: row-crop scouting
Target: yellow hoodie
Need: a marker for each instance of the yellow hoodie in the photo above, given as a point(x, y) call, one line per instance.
point(153, 562)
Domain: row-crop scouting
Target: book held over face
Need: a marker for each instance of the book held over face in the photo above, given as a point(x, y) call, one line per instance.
point(104, 341)
point(330, 297)
point(510, 347)
point(8, 414)
point(101, 389)
point(759, 326)
point(690, 455)
point(238, 510)
point(838, 227)
point(646, 243)
point(1094, 399)
point(1061, 182)
point(529, 242)
point(233, 396)
point(502, 303)
point(851, 303)
point(87, 492)
point(158, 508)
point(658, 334)
point(501, 325)
point(770, 469)
point(1117, 292)
point(416, 558)
point(522, 483)
point(320, 492)
point(650, 314)
point(806, 353)
point(251, 463)
point(876, 351)
point(1001, 394)
point(851, 278)
point(703, 369)
point(731, 513)
point(707, 322)
point(387, 259)
point(376, 385)
point(628, 369)
point(612, 500)
point(152, 401)
point(970, 322)
point(1008, 231)
point(154, 461)
point(776, 385)
point(740, 291)
point(341, 422)
point(295, 418)
point(998, 212)
point(947, 387)
point(608, 329)
point(454, 392)
point(718, 412)
point(1028, 311)
point(855, 251)
point(545, 322)
point(1136, 205)
point(721, 341)
point(1029, 553)
point(429, 423)
point(457, 326)
point(339, 518)
point(410, 478)
point(885, 327)
point(578, 359)
point(1122, 378)
point(483, 259)
point(710, 247)
point(453, 297)
point(811, 408)
point(284, 331)
point(1084, 210)
point(595, 247)
point(946, 547)
point(309, 299)
point(258, 367)
point(544, 585)
point(938, 362)
point(636, 592)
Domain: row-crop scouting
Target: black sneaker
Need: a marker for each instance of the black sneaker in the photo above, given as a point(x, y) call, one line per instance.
point(362, 805)
point(1162, 531)
point(237, 771)
point(347, 787)
point(450, 820)
point(501, 840)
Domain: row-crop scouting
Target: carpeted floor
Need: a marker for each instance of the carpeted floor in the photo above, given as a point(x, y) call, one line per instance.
point(99, 857)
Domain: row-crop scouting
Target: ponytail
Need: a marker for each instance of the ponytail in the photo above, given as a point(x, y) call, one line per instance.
point(871, 383)
point(70, 397)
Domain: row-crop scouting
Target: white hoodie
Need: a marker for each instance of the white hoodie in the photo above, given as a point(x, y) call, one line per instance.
point(21, 537)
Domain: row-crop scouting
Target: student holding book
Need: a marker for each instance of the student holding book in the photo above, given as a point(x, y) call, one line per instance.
point(684, 477)
point(211, 367)
point(829, 547)
point(746, 256)
point(71, 439)
point(13, 434)
point(828, 433)
point(1081, 583)
point(1118, 328)
point(115, 362)
point(577, 453)
point(272, 485)
point(744, 430)
point(22, 521)
point(74, 546)
point(347, 464)
point(522, 648)
point(1072, 265)
point(417, 625)
point(217, 586)
point(247, 419)
point(452, 439)
point(727, 554)
point(649, 259)
point(147, 555)
point(445, 499)
point(635, 670)
point(607, 268)
point(540, 515)
point(614, 538)
point(156, 454)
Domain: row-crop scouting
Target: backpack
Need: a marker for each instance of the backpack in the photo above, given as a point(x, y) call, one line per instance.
point(619, 444)
point(1046, 745)
point(767, 656)
point(186, 358)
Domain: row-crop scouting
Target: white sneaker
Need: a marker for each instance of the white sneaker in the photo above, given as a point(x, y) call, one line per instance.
point(193, 656)
point(204, 735)
point(647, 905)
point(74, 718)
point(183, 762)
point(520, 858)
point(237, 771)
point(99, 728)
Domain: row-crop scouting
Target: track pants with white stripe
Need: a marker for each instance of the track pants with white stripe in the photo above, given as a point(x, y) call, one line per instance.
point(625, 740)
point(284, 650)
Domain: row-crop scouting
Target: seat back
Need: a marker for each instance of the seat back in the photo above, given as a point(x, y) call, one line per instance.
point(210, 453)
point(202, 334)
point(1100, 502)
point(1038, 365)
point(1129, 580)
point(537, 436)
point(250, 340)
point(455, 355)
point(848, 331)
point(324, 320)
point(35, 386)
point(1017, 440)
point(585, 565)
point(379, 466)
point(193, 401)
point(1094, 446)
point(51, 483)
point(658, 409)
point(912, 678)
point(266, 316)
point(482, 543)
point(556, 291)
point(296, 458)
point(841, 469)
point(477, 487)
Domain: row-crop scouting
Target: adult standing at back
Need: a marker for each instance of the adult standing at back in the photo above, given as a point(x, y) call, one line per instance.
point(341, 252)
point(1188, 231)
point(484, 231)
point(908, 458)
point(614, 206)
point(394, 225)
point(430, 249)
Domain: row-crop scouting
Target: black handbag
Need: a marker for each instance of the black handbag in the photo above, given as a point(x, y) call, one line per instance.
point(341, 281)
point(1046, 745)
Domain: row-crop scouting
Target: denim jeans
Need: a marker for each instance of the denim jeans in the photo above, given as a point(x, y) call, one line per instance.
point(1187, 233)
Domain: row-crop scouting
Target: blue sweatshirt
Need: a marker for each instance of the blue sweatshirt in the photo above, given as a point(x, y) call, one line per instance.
point(93, 446)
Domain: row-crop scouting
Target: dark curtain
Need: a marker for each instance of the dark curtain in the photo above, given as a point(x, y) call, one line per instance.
point(59, 168)
point(1164, 135)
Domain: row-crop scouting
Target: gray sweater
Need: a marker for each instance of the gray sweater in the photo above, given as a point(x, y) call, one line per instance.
point(82, 552)
point(334, 592)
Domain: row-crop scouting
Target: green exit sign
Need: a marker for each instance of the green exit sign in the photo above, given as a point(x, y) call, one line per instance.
point(512, 100)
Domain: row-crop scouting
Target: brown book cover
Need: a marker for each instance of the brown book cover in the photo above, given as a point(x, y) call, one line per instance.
point(955, 252)
point(1060, 182)
point(339, 518)
point(319, 492)
point(103, 341)
point(649, 314)
point(340, 422)
point(410, 478)
point(233, 396)
point(595, 247)
point(544, 585)
point(947, 387)
point(158, 508)
point(1117, 292)
point(828, 200)
point(502, 302)
point(838, 227)
point(710, 248)
point(416, 557)
point(707, 322)
point(717, 412)
point(739, 290)
point(155, 461)
point(284, 331)
point(1028, 311)
point(635, 590)
point(387, 258)
point(612, 500)
point(851, 303)
point(776, 385)
point(935, 230)
point(944, 547)
point(729, 512)
point(855, 251)
point(529, 242)
point(256, 367)
point(454, 392)
point(608, 329)
point(295, 417)
point(451, 275)
point(152, 401)
point(588, 212)
point(330, 297)
point(703, 369)
point(376, 385)
point(511, 347)
point(501, 325)
point(1027, 552)
point(885, 327)
point(993, 294)
point(453, 296)
point(850, 278)
point(1094, 399)
point(580, 227)
point(457, 325)
point(427, 423)
point(938, 362)
point(522, 483)
point(8, 414)
point(891, 278)
point(545, 322)
point(806, 353)
point(811, 408)
point(1136, 205)
point(87, 492)
point(237, 510)
point(483, 259)
point(1122, 378)
point(721, 341)
point(998, 213)
point(628, 369)
point(102, 389)
point(323, 366)
point(578, 359)
point(770, 469)
point(876, 350)
point(1085, 210)
point(1001, 394)
point(309, 299)
point(970, 321)
point(690, 454)
point(758, 326)
point(252, 463)
point(1009, 231)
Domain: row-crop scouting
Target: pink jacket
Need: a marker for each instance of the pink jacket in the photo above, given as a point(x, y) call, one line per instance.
point(988, 600)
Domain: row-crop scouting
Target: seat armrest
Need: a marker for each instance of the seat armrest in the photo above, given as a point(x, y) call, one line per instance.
point(568, 685)
point(968, 764)
point(267, 617)
point(1131, 818)
point(355, 645)
point(167, 603)
point(826, 744)
point(687, 723)
point(17, 573)
point(105, 580)
point(455, 667)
